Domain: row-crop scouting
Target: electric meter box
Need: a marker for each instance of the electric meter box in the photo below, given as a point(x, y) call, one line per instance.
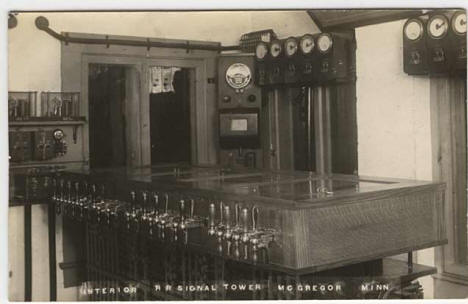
point(333, 62)
point(415, 54)
point(236, 82)
point(438, 44)
point(239, 128)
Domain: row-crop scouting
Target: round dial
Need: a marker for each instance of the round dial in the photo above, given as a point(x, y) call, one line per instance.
point(413, 29)
point(437, 26)
point(275, 49)
point(324, 43)
point(290, 46)
point(261, 50)
point(307, 44)
point(459, 23)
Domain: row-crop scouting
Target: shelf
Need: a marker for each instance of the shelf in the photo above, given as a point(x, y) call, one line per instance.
point(45, 163)
point(47, 122)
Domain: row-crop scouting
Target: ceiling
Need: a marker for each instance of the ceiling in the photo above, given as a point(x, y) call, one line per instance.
point(332, 19)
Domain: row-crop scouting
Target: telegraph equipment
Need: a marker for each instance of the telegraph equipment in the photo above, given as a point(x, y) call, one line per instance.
point(438, 44)
point(458, 41)
point(292, 70)
point(44, 145)
point(21, 105)
point(20, 146)
point(414, 47)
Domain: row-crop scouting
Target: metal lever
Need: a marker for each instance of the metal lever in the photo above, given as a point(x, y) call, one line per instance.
point(227, 219)
point(211, 219)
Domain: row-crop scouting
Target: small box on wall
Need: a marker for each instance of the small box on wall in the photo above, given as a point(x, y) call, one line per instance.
point(22, 105)
point(60, 104)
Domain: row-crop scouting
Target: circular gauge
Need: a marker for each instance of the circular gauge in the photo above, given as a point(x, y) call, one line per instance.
point(290, 46)
point(324, 43)
point(58, 134)
point(275, 48)
point(307, 44)
point(413, 29)
point(437, 26)
point(238, 75)
point(261, 50)
point(459, 23)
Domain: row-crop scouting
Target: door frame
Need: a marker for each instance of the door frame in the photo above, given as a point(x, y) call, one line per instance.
point(138, 122)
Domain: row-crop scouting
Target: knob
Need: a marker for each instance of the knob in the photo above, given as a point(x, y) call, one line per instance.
point(251, 98)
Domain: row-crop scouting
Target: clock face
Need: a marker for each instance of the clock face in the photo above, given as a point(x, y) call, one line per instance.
point(261, 50)
point(275, 49)
point(307, 44)
point(437, 26)
point(459, 23)
point(413, 29)
point(324, 43)
point(290, 46)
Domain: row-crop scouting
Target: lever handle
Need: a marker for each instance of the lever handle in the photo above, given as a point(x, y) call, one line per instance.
point(237, 211)
point(144, 196)
point(221, 211)
point(182, 210)
point(227, 216)
point(133, 200)
point(192, 207)
point(155, 202)
point(245, 220)
point(211, 215)
point(166, 206)
point(255, 214)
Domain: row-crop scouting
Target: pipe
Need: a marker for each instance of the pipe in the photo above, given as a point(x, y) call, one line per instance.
point(43, 24)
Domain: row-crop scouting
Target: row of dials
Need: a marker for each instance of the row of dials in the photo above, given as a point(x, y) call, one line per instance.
point(437, 26)
point(293, 45)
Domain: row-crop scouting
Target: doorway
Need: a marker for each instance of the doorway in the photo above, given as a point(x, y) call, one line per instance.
point(170, 123)
point(107, 121)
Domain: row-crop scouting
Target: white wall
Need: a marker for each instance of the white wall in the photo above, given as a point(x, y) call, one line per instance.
point(393, 117)
point(34, 56)
point(34, 65)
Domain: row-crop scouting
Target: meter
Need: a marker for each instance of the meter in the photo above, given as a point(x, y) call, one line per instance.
point(437, 27)
point(276, 49)
point(291, 46)
point(324, 43)
point(458, 42)
point(438, 44)
point(308, 52)
point(292, 71)
point(414, 47)
point(261, 56)
point(333, 56)
point(307, 44)
point(276, 64)
point(236, 87)
point(261, 51)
